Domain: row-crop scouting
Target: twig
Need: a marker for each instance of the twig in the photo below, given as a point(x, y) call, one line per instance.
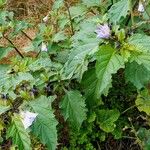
point(14, 46)
point(99, 148)
point(128, 19)
point(70, 18)
point(38, 53)
point(128, 109)
point(26, 35)
point(129, 137)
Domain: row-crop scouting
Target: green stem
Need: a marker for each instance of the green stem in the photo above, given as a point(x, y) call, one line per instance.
point(131, 12)
point(70, 18)
point(128, 109)
point(128, 137)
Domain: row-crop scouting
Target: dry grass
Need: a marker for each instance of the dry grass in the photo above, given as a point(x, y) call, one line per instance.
point(32, 11)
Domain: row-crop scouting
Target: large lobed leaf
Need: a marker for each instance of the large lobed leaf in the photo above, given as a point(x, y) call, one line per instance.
point(8, 81)
point(141, 59)
point(92, 3)
point(144, 136)
point(84, 45)
point(118, 10)
point(141, 42)
point(19, 135)
point(137, 74)
point(45, 125)
point(73, 108)
point(108, 63)
point(143, 102)
point(89, 84)
point(77, 11)
point(107, 118)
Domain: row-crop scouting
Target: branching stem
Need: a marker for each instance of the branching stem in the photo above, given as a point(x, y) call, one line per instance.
point(16, 49)
point(70, 18)
point(128, 109)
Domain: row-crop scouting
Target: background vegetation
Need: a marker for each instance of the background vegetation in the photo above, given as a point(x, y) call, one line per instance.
point(74, 75)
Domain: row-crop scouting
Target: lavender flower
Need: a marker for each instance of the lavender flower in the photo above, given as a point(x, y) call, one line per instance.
point(103, 31)
point(28, 118)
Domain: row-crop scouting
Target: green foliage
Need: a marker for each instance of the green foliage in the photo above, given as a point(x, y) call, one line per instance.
point(3, 109)
point(89, 3)
point(107, 118)
point(140, 42)
point(73, 108)
point(119, 10)
point(84, 45)
point(137, 74)
point(143, 135)
point(108, 63)
point(81, 88)
point(4, 52)
point(19, 135)
point(89, 84)
point(45, 125)
point(143, 102)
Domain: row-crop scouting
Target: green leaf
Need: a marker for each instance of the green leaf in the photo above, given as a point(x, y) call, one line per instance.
point(2, 2)
point(57, 4)
point(92, 3)
point(73, 108)
point(4, 69)
point(20, 77)
point(60, 36)
point(106, 119)
point(141, 59)
point(89, 84)
point(77, 59)
point(8, 81)
point(3, 109)
point(144, 135)
point(137, 74)
point(76, 11)
point(19, 26)
point(19, 135)
point(45, 125)
point(143, 101)
point(4, 51)
point(85, 44)
point(40, 63)
point(140, 42)
point(108, 63)
point(118, 10)
point(4, 15)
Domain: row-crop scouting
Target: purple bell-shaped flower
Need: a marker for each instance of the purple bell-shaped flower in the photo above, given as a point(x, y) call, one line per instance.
point(103, 31)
